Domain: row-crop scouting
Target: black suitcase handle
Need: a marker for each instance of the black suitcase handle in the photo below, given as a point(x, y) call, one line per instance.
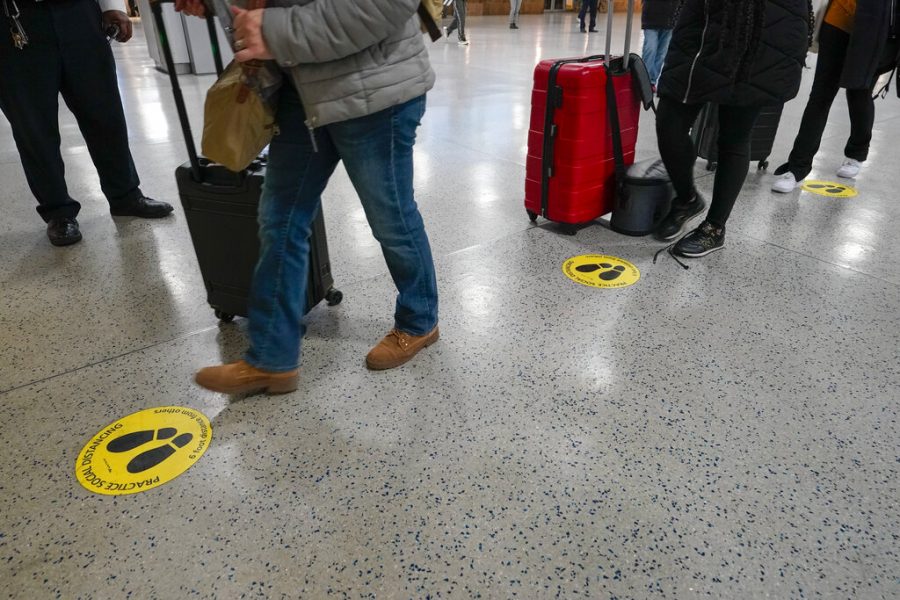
point(156, 7)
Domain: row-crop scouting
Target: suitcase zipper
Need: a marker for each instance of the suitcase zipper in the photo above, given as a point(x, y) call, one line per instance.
point(699, 52)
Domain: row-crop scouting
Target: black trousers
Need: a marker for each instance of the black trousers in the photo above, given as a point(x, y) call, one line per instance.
point(673, 124)
point(68, 54)
point(833, 45)
point(585, 6)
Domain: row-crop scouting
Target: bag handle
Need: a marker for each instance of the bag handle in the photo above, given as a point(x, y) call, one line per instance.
point(428, 21)
point(250, 67)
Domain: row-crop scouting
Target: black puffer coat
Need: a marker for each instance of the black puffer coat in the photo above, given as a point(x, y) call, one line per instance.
point(659, 14)
point(695, 71)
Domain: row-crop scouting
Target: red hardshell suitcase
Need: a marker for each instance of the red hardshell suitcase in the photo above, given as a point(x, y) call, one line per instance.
point(571, 168)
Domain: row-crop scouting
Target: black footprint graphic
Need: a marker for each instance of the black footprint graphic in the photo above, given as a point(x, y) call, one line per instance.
point(608, 272)
point(827, 188)
point(132, 440)
point(150, 458)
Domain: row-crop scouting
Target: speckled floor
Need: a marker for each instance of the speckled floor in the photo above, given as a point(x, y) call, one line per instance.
point(730, 431)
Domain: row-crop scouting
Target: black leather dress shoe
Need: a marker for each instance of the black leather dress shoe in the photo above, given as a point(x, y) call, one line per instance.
point(146, 208)
point(64, 231)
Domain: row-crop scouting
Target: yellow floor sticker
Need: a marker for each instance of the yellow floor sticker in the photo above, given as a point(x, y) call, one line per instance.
point(143, 450)
point(829, 189)
point(601, 271)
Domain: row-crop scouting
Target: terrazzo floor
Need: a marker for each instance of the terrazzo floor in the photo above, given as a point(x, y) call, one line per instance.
point(730, 431)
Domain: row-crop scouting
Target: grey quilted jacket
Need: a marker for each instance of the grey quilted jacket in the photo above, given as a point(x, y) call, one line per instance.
point(349, 58)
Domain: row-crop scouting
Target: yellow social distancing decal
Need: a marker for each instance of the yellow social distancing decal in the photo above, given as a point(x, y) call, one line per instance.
point(829, 189)
point(143, 450)
point(601, 271)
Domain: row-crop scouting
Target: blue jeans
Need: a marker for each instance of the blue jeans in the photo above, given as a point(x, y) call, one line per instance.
point(656, 46)
point(377, 151)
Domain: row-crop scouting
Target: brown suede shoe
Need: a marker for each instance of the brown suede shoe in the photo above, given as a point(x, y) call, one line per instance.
point(398, 348)
point(240, 377)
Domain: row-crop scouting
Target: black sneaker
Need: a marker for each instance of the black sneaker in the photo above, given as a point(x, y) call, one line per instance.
point(673, 225)
point(513, 26)
point(704, 240)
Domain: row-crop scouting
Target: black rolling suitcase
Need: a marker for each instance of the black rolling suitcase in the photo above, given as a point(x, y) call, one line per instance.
point(221, 209)
point(705, 135)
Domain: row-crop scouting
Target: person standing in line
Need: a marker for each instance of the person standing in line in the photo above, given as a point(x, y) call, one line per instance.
point(48, 49)
point(459, 22)
point(514, 7)
point(582, 14)
point(742, 55)
point(857, 43)
point(356, 75)
point(657, 21)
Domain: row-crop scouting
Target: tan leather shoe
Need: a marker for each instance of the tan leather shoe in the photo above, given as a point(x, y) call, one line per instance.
point(398, 348)
point(240, 377)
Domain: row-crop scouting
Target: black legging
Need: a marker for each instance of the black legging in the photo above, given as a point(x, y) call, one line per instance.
point(833, 45)
point(673, 124)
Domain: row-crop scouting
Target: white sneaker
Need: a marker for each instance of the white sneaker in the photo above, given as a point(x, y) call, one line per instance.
point(850, 169)
point(463, 42)
point(785, 184)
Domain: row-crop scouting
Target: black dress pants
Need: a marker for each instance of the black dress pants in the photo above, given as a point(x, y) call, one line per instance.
point(68, 54)
point(673, 125)
point(833, 45)
point(588, 6)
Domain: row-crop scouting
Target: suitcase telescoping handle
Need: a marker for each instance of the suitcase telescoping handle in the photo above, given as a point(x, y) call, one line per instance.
point(156, 7)
point(609, 31)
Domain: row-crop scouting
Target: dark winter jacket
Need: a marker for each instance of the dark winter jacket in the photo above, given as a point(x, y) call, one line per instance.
point(697, 71)
point(659, 14)
point(866, 54)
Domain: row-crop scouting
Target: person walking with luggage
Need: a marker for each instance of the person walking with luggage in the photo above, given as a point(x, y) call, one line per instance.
point(588, 5)
point(857, 43)
point(657, 21)
point(54, 48)
point(514, 7)
point(742, 55)
point(459, 22)
point(329, 113)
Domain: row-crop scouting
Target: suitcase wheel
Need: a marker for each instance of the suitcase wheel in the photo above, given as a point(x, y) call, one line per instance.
point(763, 165)
point(333, 297)
point(532, 216)
point(224, 316)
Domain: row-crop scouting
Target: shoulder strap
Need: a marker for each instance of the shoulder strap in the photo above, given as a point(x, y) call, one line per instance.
point(613, 111)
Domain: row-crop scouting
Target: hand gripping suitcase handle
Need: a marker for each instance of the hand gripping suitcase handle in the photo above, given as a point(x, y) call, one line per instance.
point(610, 5)
point(156, 8)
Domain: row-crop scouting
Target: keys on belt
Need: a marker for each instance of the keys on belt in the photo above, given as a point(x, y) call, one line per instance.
point(19, 37)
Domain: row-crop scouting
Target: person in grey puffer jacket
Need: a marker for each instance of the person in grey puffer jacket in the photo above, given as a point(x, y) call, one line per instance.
point(355, 92)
